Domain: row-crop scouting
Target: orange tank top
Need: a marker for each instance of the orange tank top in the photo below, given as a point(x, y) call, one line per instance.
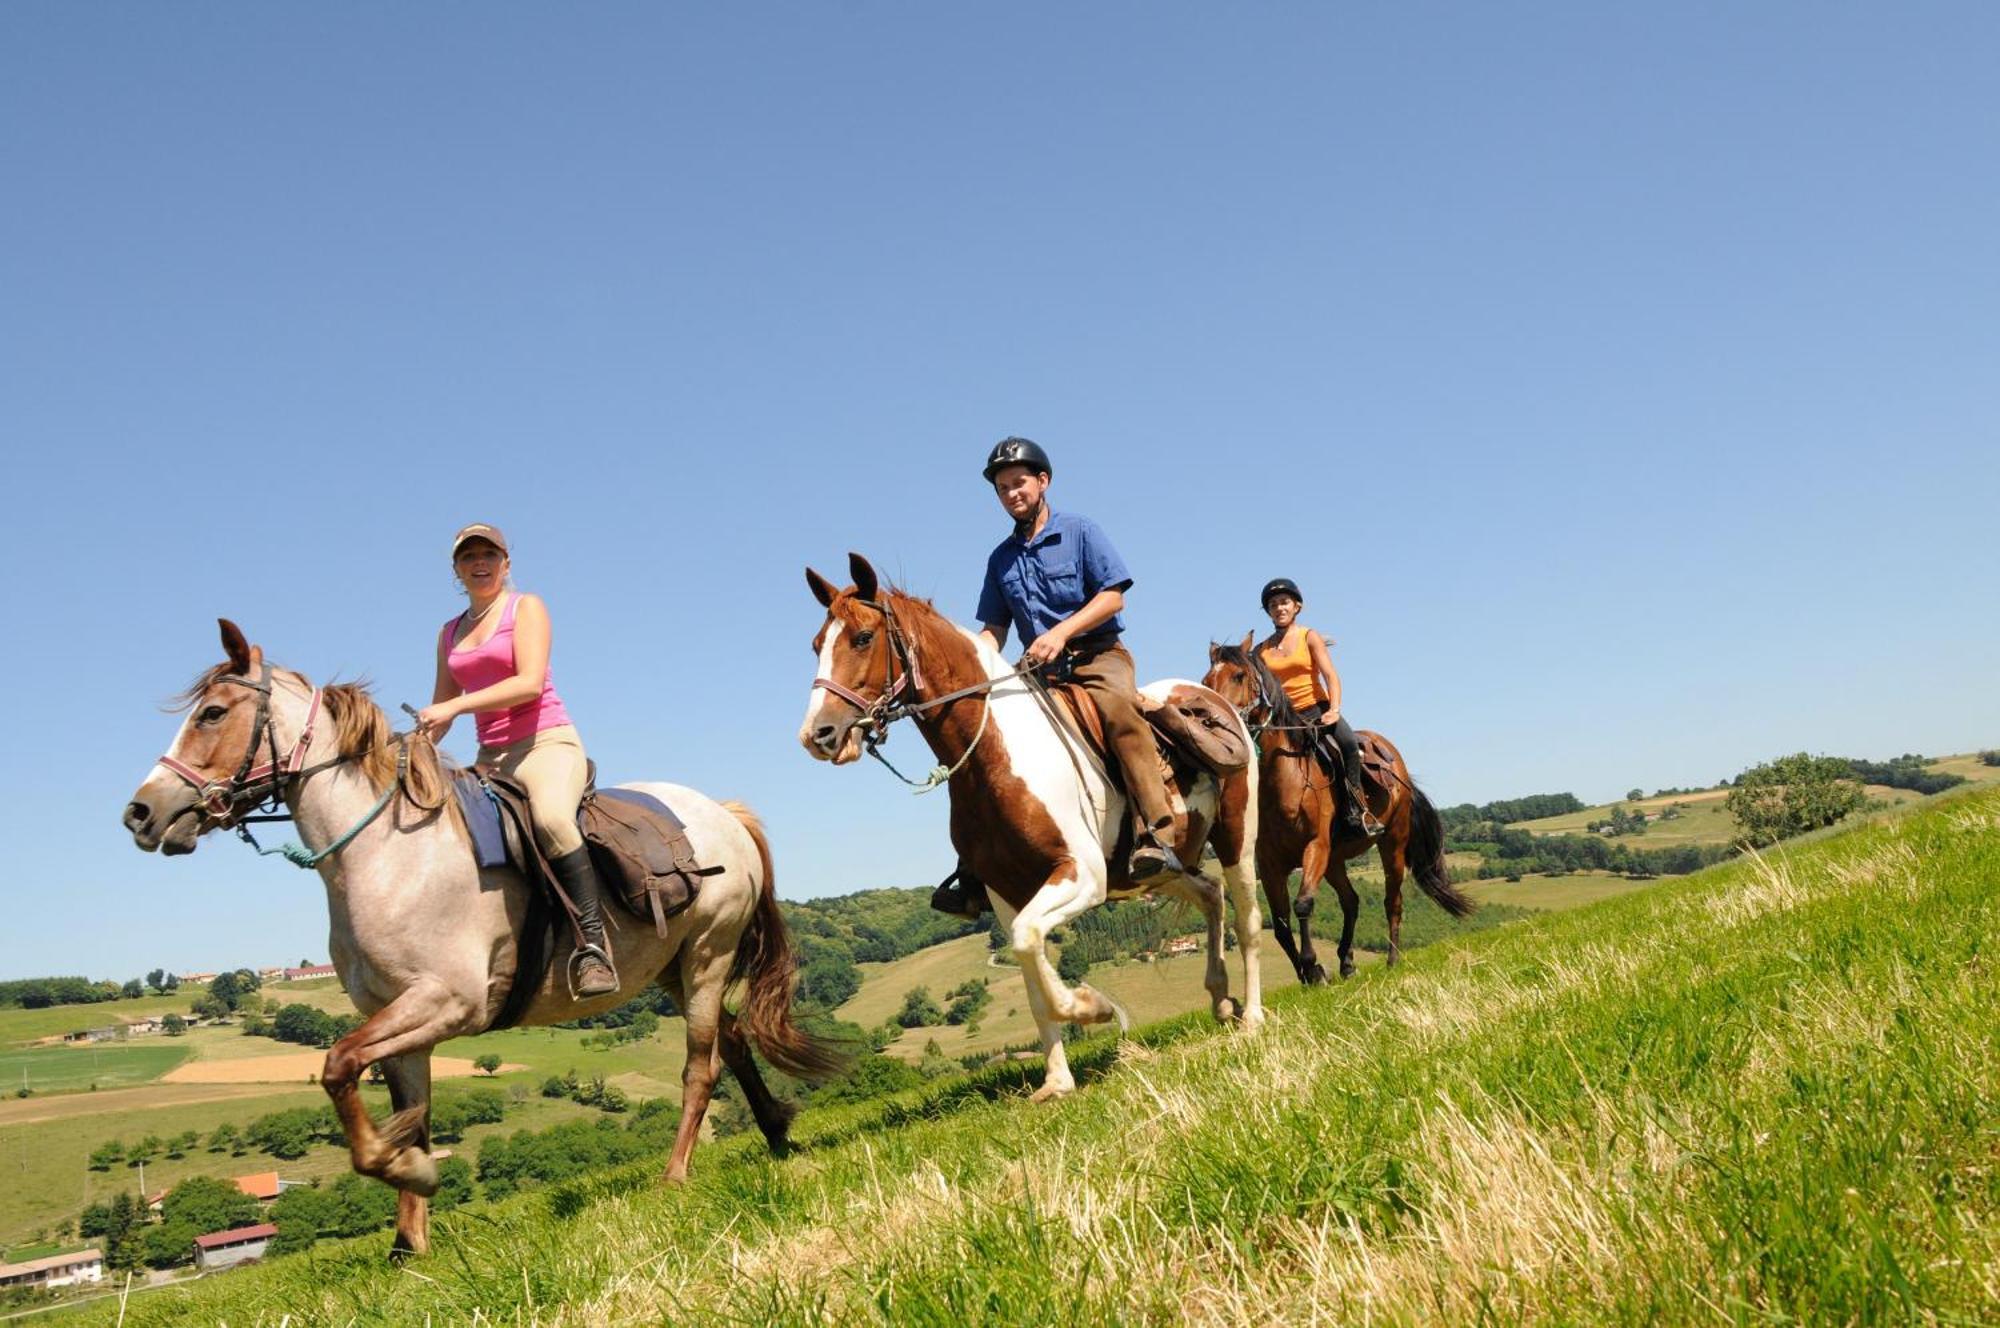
point(1294, 670)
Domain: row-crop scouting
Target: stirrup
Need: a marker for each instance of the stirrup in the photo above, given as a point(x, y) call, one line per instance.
point(576, 959)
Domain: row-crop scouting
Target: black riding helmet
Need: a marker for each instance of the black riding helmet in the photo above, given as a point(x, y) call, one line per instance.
point(1017, 452)
point(1283, 585)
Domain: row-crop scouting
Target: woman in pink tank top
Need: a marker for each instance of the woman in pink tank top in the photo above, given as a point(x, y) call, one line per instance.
point(493, 663)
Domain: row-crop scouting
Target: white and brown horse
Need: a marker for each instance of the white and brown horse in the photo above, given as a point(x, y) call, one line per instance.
point(425, 941)
point(1300, 828)
point(1032, 814)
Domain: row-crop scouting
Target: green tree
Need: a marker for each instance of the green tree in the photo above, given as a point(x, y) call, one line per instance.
point(1633, 795)
point(133, 989)
point(302, 1214)
point(145, 1150)
point(207, 1204)
point(1071, 965)
point(106, 1156)
point(224, 1139)
point(157, 979)
point(174, 1024)
point(488, 1064)
point(1792, 795)
point(920, 1009)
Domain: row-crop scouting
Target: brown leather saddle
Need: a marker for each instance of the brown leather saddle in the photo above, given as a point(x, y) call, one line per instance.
point(1190, 730)
point(638, 846)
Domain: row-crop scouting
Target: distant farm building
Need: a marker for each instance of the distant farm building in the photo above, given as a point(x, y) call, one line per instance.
point(226, 1249)
point(309, 971)
point(263, 1186)
point(57, 1270)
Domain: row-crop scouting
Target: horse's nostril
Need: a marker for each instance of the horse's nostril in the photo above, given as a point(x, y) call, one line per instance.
point(822, 733)
point(137, 814)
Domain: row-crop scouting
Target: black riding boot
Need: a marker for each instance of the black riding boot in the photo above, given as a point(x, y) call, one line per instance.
point(594, 975)
point(1359, 817)
point(960, 894)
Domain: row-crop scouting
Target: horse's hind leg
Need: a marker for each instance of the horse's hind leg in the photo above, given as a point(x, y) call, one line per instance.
point(1392, 894)
point(704, 975)
point(774, 1117)
point(409, 1079)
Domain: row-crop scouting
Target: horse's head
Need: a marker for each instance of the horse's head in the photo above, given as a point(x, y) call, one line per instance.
point(226, 758)
point(862, 668)
point(1236, 675)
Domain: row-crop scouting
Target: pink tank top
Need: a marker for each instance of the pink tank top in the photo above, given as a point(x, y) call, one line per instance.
point(492, 661)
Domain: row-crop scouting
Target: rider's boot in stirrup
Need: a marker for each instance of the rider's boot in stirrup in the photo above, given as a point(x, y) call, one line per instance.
point(960, 894)
point(594, 975)
point(1151, 857)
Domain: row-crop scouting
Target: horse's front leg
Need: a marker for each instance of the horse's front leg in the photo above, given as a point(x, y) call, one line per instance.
point(1206, 895)
point(1276, 879)
point(409, 1077)
point(1312, 869)
point(423, 1016)
point(1350, 911)
point(1053, 1003)
point(704, 974)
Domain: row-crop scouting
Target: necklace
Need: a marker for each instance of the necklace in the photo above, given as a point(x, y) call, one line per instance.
point(474, 619)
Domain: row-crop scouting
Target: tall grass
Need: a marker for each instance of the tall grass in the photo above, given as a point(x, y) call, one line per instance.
point(1766, 1094)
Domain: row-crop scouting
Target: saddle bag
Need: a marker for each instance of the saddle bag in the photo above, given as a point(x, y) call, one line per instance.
point(641, 851)
point(1209, 735)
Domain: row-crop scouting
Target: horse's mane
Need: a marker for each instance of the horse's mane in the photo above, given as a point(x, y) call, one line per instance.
point(361, 733)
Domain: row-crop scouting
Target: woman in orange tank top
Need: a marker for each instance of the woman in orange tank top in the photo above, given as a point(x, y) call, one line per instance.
point(1297, 656)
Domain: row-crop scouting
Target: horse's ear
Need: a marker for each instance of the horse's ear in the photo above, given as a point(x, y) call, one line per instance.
point(1249, 639)
point(1214, 652)
point(822, 588)
point(234, 646)
point(863, 572)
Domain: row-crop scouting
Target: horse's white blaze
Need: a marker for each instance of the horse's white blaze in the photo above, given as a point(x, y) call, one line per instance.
point(817, 698)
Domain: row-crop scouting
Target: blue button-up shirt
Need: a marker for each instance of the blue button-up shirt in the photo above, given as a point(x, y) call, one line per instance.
point(1036, 583)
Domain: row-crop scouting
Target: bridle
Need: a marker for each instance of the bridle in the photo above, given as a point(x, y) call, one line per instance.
point(890, 705)
point(254, 786)
point(261, 788)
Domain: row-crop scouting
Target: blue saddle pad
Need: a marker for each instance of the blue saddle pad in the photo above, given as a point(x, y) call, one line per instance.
point(482, 818)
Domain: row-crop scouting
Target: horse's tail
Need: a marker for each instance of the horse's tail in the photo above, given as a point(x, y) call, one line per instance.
point(1426, 854)
point(764, 957)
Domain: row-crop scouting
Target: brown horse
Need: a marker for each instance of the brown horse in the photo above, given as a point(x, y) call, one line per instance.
point(1300, 826)
point(1032, 811)
point(427, 943)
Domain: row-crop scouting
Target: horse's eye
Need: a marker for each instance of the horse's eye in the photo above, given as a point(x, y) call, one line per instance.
point(862, 640)
point(211, 714)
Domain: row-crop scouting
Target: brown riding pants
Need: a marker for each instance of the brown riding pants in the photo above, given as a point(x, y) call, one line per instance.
point(1107, 676)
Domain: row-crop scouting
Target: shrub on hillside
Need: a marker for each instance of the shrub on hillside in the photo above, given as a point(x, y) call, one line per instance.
point(1792, 795)
point(920, 1009)
point(1990, 757)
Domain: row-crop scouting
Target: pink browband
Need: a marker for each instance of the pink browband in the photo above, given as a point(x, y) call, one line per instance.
point(218, 798)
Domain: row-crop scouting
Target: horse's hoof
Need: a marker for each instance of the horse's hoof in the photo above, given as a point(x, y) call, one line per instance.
point(1252, 1021)
point(1346, 968)
point(1316, 976)
point(1228, 1010)
point(1051, 1092)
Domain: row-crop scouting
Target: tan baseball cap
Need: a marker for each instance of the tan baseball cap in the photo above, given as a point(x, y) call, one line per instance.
point(479, 530)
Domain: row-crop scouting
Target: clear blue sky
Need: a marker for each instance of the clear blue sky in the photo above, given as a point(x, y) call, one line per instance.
point(1620, 383)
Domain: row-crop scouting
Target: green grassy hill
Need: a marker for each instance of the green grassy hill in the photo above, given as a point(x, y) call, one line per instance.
point(1763, 1094)
point(1704, 819)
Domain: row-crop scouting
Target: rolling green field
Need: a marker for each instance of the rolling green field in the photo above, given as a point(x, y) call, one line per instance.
point(1764, 1094)
point(70, 1069)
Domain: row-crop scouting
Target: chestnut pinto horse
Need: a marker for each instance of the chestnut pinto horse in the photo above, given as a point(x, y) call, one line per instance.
point(1031, 811)
point(1300, 826)
point(425, 941)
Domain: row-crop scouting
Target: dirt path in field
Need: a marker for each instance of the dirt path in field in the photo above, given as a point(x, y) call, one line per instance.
point(293, 1068)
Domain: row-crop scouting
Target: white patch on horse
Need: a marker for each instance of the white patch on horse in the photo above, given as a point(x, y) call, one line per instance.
point(819, 695)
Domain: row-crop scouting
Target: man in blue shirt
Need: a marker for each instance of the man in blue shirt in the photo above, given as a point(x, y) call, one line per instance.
point(1060, 584)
